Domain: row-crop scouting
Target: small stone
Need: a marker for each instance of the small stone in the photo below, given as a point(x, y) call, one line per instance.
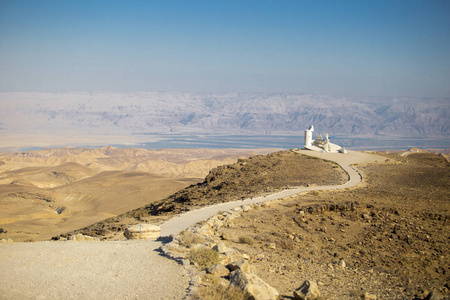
point(307, 291)
point(342, 263)
point(185, 262)
point(219, 270)
point(369, 296)
point(225, 236)
point(272, 246)
point(246, 208)
point(433, 296)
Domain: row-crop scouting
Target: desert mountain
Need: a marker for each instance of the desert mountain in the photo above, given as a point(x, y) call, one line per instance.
point(134, 117)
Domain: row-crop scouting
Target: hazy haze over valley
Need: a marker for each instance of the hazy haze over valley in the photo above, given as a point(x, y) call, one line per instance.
point(49, 119)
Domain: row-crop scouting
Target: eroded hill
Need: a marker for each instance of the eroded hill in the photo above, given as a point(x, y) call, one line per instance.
point(48, 192)
point(249, 177)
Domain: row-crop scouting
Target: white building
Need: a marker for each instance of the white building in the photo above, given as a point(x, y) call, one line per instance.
point(320, 143)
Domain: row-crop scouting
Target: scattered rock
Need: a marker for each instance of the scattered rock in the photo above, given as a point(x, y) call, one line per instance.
point(342, 263)
point(433, 296)
point(219, 270)
point(142, 231)
point(369, 296)
point(246, 208)
point(221, 248)
point(272, 246)
point(82, 238)
point(241, 264)
point(307, 291)
point(225, 236)
point(253, 285)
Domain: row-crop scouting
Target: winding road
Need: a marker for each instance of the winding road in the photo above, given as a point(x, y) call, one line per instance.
point(124, 269)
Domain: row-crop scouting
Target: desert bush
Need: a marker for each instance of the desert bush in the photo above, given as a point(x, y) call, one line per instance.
point(217, 291)
point(246, 239)
point(287, 244)
point(188, 239)
point(204, 257)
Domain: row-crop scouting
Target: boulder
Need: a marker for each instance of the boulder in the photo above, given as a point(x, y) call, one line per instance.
point(142, 232)
point(307, 291)
point(241, 264)
point(218, 270)
point(253, 285)
point(221, 248)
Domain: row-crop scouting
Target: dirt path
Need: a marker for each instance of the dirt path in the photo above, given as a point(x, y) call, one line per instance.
point(89, 270)
point(120, 270)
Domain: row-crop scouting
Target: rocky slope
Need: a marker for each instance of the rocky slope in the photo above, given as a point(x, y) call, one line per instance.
point(256, 175)
point(387, 238)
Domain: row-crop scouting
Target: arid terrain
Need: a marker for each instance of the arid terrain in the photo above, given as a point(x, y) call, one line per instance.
point(257, 175)
point(388, 237)
point(392, 234)
point(49, 192)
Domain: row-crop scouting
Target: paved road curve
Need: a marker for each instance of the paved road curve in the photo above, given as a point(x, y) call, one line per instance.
point(121, 270)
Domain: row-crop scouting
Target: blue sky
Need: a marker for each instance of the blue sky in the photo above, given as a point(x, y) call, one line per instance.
point(351, 48)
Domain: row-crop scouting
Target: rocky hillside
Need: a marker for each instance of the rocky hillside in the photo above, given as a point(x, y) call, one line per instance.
point(387, 239)
point(248, 177)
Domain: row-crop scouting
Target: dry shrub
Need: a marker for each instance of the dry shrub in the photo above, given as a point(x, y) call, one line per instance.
point(246, 239)
point(217, 291)
point(204, 257)
point(188, 239)
point(286, 244)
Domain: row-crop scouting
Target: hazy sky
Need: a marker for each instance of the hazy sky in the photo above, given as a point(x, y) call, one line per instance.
point(362, 47)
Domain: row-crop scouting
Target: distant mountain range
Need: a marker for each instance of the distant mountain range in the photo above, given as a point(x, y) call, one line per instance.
point(230, 114)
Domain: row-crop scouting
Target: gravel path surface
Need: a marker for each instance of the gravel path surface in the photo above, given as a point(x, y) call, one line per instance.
point(89, 270)
point(125, 269)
